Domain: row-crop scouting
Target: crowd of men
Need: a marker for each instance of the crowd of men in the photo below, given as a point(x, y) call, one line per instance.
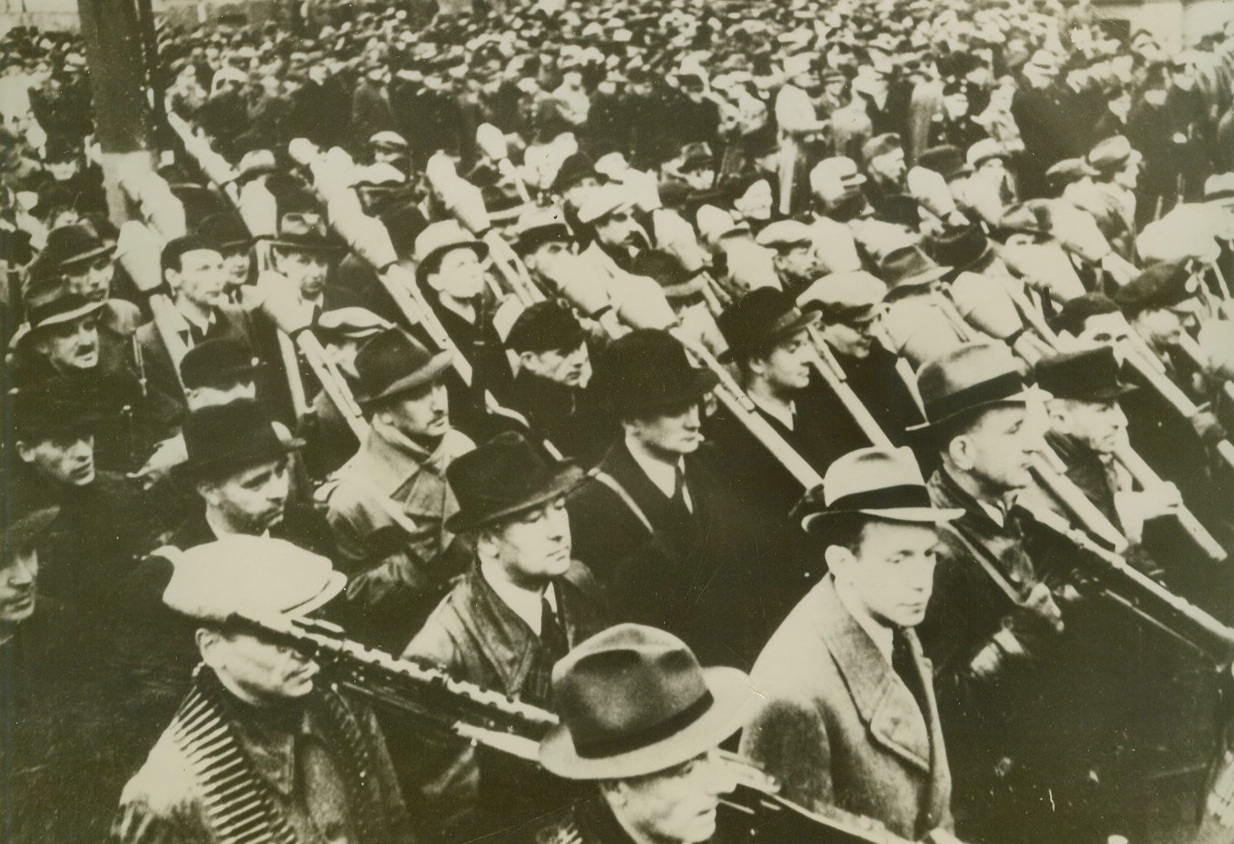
point(875, 355)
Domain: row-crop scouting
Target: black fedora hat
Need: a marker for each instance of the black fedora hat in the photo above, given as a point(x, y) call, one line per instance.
point(502, 478)
point(231, 436)
point(64, 405)
point(1085, 375)
point(647, 370)
point(758, 319)
point(394, 362)
point(962, 249)
point(219, 361)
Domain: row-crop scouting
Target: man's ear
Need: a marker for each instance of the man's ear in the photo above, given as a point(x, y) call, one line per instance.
point(959, 451)
point(207, 640)
point(525, 357)
point(839, 559)
point(25, 451)
point(172, 278)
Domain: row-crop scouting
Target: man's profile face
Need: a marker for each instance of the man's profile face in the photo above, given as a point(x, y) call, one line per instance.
point(672, 433)
point(547, 258)
point(852, 338)
point(1161, 328)
point(252, 499)
point(678, 804)
point(17, 578)
point(798, 262)
point(891, 572)
point(535, 544)
point(63, 458)
point(569, 368)
point(255, 671)
point(1001, 445)
point(1097, 424)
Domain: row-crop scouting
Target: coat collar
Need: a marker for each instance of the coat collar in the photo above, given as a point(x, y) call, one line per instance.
point(388, 459)
point(887, 707)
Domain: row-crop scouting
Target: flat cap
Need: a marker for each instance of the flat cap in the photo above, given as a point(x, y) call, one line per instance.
point(783, 234)
point(249, 575)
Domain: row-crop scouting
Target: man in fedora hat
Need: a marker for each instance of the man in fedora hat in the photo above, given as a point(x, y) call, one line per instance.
point(237, 462)
point(664, 534)
point(299, 759)
point(1088, 426)
point(641, 725)
point(522, 606)
point(304, 252)
point(388, 505)
point(1032, 681)
point(770, 341)
point(847, 715)
point(194, 271)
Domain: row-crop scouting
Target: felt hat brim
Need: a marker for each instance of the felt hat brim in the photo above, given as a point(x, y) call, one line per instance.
point(805, 320)
point(702, 383)
point(21, 532)
point(564, 479)
point(477, 246)
point(1022, 397)
point(912, 515)
point(25, 332)
point(244, 457)
point(733, 703)
point(439, 363)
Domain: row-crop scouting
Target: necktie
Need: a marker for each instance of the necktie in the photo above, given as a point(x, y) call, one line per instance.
point(904, 665)
point(679, 489)
point(552, 632)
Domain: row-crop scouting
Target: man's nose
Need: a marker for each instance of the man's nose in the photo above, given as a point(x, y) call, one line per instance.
point(721, 777)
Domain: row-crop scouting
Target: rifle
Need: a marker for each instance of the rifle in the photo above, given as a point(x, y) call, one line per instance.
point(435, 701)
point(1121, 583)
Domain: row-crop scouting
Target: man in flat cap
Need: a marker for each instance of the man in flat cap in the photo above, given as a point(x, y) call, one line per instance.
point(553, 371)
point(388, 505)
point(850, 305)
point(641, 726)
point(1110, 194)
point(229, 236)
point(300, 760)
point(664, 533)
point(847, 715)
point(1034, 684)
point(1161, 304)
point(193, 268)
point(523, 604)
point(795, 262)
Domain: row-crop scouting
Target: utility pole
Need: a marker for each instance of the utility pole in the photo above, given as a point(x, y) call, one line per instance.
point(123, 118)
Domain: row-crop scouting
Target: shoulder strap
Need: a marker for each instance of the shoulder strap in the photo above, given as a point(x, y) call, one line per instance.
point(611, 482)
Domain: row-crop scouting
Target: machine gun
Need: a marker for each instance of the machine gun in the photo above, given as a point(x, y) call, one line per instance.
point(434, 701)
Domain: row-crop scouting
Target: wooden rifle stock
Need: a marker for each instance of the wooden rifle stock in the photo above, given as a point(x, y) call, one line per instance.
point(1122, 583)
point(1145, 597)
point(432, 700)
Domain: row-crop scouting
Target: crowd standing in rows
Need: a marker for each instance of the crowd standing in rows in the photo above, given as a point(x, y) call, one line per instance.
point(572, 348)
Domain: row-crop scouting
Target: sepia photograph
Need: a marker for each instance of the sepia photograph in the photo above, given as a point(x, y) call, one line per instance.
point(617, 421)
